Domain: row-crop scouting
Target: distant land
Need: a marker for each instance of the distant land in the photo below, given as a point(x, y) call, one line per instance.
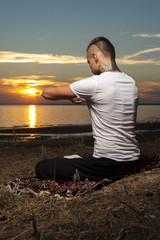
point(59, 103)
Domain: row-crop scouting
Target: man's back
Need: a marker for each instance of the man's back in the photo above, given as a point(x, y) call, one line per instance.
point(112, 101)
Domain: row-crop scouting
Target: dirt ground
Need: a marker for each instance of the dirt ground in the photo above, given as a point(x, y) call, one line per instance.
point(128, 209)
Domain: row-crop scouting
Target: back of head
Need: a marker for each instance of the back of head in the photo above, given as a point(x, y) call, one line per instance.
point(104, 45)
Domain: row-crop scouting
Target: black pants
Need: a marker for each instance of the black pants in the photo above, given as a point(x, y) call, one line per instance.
point(95, 169)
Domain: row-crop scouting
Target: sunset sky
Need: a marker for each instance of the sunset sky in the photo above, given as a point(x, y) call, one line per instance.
point(43, 42)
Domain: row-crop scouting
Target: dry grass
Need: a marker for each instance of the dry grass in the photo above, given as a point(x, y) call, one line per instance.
point(127, 209)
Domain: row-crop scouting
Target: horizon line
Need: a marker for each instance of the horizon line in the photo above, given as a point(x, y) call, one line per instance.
point(71, 104)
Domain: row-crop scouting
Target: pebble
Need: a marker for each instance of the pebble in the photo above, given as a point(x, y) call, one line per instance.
point(149, 194)
point(3, 218)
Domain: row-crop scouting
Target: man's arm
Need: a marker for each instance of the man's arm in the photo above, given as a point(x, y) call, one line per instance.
point(57, 93)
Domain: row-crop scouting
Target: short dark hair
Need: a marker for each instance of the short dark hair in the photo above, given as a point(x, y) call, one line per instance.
point(105, 46)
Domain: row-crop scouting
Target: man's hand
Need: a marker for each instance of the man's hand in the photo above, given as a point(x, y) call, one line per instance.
point(39, 93)
point(77, 100)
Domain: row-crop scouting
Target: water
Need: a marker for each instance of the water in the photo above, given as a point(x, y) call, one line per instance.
point(42, 115)
point(53, 115)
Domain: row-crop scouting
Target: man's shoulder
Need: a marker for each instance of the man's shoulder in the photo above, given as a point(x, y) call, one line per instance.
point(85, 87)
point(88, 80)
point(116, 75)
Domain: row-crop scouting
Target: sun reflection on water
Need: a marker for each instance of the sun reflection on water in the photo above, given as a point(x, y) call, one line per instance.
point(32, 116)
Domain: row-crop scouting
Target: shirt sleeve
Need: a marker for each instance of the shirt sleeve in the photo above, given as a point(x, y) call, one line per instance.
point(84, 88)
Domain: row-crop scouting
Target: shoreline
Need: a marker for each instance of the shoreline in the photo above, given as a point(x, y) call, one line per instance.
point(71, 129)
point(65, 135)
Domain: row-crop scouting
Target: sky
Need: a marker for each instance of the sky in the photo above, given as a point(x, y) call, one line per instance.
point(43, 43)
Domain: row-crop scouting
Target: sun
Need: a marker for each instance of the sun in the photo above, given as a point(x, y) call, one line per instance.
point(30, 91)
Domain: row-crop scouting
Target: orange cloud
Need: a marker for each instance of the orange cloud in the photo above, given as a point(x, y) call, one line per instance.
point(16, 57)
point(129, 60)
point(32, 80)
point(23, 84)
point(77, 78)
point(149, 91)
point(148, 86)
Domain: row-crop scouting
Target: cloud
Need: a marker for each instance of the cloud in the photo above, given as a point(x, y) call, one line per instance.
point(20, 84)
point(147, 35)
point(30, 80)
point(148, 85)
point(149, 91)
point(130, 61)
point(157, 77)
point(77, 78)
point(15, 57)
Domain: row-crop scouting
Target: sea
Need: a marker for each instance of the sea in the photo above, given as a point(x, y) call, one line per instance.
point(56, 115)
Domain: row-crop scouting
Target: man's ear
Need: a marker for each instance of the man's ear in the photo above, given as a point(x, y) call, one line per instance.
point(95, 57)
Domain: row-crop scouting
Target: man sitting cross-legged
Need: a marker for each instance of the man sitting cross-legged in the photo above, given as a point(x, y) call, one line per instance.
point(111, 97)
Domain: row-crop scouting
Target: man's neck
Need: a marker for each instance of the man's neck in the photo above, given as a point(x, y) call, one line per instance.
point(108, 67)
point(115, 67)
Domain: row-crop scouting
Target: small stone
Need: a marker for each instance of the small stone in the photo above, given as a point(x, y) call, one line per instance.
point(3, 218)
point(149, 194)
point(150, 217)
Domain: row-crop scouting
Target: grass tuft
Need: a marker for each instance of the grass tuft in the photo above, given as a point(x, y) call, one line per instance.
point(36, 233)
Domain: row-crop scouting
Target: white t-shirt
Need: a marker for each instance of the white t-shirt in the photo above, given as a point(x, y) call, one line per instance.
point(112, 99)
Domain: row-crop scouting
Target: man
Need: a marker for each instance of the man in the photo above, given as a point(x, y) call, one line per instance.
point(112, 98)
